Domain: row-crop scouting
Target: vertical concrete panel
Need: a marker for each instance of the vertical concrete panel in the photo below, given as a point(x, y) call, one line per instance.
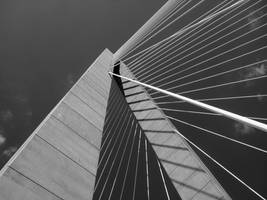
point(65, 140)
point(51, 169)
point(13, 185)
point(59, 160)
point(78, 124)
point(188, 174)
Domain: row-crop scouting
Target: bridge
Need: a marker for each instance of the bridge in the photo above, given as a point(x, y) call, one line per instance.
point(119, 132)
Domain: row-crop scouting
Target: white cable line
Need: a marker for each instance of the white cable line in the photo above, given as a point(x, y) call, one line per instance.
point(180, 16)
point(117, 151)
point(216, 86)
point(103, 146)
point(219, 135)
point(163, 27)
point(128, 163)
point(205, 19)
point(227, 114)
point(217, 47)
point(107, 131)
point(224, 168)
point(148, 68)
point(135, 66)
point(163, 179)
point(147, 173)
point(169, 43)
point(144, 51)
point(207, 113)
point(110, 109)
point(218, 74)
point(148, 53)
point(124, 150)
point(201, 35)
point(191, 112)
point(145, 30)
point(151, 51)
point(258, 118)
point(210, 58)
point(137, 163)
point(220, 98)
point(218, 64)
point(111, 100)
point(114, 144)
point(176, 67)
point(163, 20)
point(182, 31)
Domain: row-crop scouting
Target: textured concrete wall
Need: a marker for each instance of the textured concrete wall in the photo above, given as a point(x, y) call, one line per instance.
point(59, 160)
point(189, 175)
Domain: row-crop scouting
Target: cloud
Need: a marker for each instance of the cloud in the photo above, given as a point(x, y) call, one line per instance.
point(253, 20)
point(6, 115)
point(243, 129)
point(68, 82)
point(70, 79)
point(253, 72)
point(257, 71)
point(260, 97)
point(21, 99)
point(2, 139)
point(10, 151)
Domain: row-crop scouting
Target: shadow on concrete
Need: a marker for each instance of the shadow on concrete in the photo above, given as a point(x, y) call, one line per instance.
point(136, 102)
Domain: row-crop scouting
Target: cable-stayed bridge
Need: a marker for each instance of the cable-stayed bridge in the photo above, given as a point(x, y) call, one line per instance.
point(118, 133)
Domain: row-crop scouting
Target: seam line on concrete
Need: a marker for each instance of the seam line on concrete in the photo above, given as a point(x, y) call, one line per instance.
point(192, 152)
point(87, 104)
point(75, 132)
point(89, 81)
point(199, 192)
point(66, 155)
point(35, 183)
point(99, 82)
point(86, 82)
point(92, 96)
point(81, 115)
point(16, 154)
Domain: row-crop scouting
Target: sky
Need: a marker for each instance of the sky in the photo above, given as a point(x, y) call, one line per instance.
point(47, 45)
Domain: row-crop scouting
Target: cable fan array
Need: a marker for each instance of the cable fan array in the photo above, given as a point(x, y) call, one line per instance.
point(215, 54)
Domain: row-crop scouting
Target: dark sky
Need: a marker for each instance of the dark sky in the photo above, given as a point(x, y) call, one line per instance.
point(235, 40)
point(45, 46)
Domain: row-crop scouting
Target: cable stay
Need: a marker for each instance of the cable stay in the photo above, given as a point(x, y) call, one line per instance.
point(220, 165)
point(245, 120)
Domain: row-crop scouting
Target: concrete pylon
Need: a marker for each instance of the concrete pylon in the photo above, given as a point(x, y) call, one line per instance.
point(191, 178)
point(60, 159)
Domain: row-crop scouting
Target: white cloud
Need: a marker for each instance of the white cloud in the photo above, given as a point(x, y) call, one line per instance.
point(243, 129)
point(22, 99)
point(68, 82)
point(70, 79)
point(10, 151)
point(2, 139)
point(6, 115)
point(260, 97)
point(256, 71)
point(253, 72)
point(254, 20)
